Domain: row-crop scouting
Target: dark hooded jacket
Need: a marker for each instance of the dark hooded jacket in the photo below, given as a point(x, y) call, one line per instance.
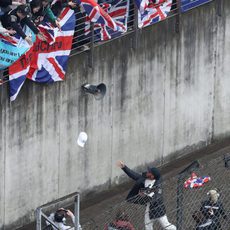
point(10, 20)
point(218, 210)
point(157, 208)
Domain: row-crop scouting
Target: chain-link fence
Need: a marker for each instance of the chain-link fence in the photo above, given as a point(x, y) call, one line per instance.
point(187, 204)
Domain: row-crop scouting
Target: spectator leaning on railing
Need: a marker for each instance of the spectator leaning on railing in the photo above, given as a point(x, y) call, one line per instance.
point(47, 13)
point(17, 18)
point(147, 191)
point(60, 4)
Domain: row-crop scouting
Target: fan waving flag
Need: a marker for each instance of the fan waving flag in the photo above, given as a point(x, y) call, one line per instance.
point(96, 14)
point(46, 61)
point(118, 10)
point(189, 4)
point(154, 12)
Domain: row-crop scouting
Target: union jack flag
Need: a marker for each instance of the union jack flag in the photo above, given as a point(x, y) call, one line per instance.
point(118, 10)
point(153, 13)
point(96, 14)
point(45, 62)
point(189, 4)
point(13, 47)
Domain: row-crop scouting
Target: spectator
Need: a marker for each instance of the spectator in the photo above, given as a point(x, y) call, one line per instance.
point(212, 210)
point(6, 32)
point(46, 12)
point(147, 191)
point(60, 4)
point(121, 222)
point(35, 7)
point(5, 5)
point(16, 19)
point(59, 219)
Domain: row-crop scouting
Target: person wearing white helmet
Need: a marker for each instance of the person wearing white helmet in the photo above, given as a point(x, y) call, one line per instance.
point(212, 210)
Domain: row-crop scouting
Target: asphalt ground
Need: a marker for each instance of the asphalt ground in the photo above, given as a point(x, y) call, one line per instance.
point(97, 204)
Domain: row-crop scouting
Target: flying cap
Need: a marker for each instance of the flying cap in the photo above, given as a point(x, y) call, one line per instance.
point(155, 172)
point(82, 138)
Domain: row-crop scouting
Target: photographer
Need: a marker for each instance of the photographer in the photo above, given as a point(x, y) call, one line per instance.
point(59, 219)
point(147, 191)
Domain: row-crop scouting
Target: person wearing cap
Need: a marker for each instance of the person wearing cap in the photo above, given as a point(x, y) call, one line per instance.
point(59, 219)
point(212, 210)
point(147, 191)
point(17, 18)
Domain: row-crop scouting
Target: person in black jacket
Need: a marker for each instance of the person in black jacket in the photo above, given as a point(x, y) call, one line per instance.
point(147, 191)
point(212, 210)
point(17, 18)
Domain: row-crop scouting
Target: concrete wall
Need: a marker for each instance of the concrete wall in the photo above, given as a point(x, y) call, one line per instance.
point(166, 96)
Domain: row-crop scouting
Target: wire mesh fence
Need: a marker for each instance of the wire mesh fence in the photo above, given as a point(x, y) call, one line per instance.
point(185, 198)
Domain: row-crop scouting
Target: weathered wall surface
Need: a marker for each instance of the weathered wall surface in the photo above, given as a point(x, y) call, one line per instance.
point(165, 96)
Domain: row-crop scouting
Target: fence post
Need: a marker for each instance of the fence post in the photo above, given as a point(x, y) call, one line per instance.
point(178, 16)
point(179, 194)
point(90, 55)
point(77, 211)
point(38, 219)
point(227, 161)
point(136, 28)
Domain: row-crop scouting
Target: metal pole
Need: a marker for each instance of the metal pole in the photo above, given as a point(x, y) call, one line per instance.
point(38, 219)
point(48, 220)
point(179, 201)
point(178, 16)
point(179, 194)
point(91, 51)
point(136, 28)
point(227, 161)
point(77, 212)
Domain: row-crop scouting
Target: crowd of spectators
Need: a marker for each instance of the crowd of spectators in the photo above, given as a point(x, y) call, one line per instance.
point(15, 14)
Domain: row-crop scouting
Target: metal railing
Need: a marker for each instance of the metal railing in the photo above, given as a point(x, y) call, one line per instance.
point(83, 42)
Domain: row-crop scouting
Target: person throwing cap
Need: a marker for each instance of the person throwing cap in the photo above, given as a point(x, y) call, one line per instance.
point(147, 191)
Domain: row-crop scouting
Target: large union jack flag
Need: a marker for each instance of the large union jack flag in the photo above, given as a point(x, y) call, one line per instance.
point(153, 12)
point(118, 10)
point(45, 62)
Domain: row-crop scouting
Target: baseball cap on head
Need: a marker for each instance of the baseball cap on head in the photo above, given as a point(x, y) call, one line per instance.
point(82, 138)
point(155, 172)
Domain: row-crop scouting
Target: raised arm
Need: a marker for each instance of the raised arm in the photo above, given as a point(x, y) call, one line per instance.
point(133, 175)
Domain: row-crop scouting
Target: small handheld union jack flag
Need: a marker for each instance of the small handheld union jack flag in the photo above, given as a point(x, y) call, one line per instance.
point(118, 11)
point(153, 12)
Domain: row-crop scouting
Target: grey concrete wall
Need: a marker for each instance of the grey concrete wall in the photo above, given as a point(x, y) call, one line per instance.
point(166, 96)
